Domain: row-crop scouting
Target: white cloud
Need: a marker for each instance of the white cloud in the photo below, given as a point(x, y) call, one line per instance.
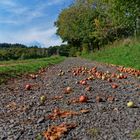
point(19, 14)
point(7, 2)
point(42, 35)
point(25, 31)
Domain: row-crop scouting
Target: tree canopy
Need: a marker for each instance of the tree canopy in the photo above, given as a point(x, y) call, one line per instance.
point(96, 22)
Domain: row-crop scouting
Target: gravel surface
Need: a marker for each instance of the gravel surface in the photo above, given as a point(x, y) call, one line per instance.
point(24, 117)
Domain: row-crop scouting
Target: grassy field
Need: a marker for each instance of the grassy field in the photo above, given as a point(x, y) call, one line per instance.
point(125, 53)
point(11, 69)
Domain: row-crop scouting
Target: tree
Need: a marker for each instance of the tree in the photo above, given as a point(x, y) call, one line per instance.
point(97, 22)
point(124, 14)
point(83, 22)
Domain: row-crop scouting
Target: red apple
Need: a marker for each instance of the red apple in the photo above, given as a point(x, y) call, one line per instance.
point(83, 82)
point(28, 87)
point(114, 86)
point(68, 90)
point(83, 99)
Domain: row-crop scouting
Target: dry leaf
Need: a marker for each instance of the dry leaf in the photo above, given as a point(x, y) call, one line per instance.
point(12, 105)
point(85, 111)
point(57, 97)
point(55, 132)
point(110, 98)
point(59, 113)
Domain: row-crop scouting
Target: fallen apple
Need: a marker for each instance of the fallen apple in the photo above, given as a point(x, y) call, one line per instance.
point(130, 104)
point(28, 87)
point(68, 90)
point(83, 82)
point(62, 73)
point(107, 72)
point(109, 80)
point(83, 99)
point(77, 82)
point(114, 86)
point(88, 88)
point(125, 77)
point(103, 77)
point(91, 78)
point(43, 99)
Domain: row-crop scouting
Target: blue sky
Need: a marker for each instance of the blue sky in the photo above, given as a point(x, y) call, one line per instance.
point(30, 21)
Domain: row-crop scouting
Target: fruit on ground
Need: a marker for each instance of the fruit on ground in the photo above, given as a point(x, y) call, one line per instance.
point(114, 86)
point(68, 90)
point(130, 104)
point(83, 82)
point(83, 99)
point(28, 87)
point(88, 88)
point(43, 98)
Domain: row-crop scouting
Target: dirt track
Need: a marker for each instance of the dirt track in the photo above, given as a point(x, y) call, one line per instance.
point(106, 116)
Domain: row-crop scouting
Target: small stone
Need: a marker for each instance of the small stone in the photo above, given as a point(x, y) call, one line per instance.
point(41, 120)
point(4, 138)
point(12, 121)
point(85, 138)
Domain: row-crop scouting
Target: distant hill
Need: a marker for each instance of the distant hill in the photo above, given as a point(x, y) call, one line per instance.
point(8, 45)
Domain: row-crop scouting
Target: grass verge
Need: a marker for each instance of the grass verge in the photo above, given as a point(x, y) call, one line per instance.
point(125, 53)
point(13, 69)
point(136, 134)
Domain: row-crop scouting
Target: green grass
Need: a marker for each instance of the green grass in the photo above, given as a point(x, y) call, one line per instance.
point(125, 53)
point(11, 69)
point(136, 134)
point(94, 132)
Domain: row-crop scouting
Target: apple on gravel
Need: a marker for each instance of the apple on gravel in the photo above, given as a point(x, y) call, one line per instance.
point(42, 99)
point(130, 104)
point(28, 86)
point(83, 99)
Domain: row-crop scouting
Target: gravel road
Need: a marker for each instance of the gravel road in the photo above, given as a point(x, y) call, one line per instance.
point(104, 116)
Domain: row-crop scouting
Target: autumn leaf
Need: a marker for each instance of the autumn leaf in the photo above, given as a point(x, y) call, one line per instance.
point(85, 111)
point(59, 113)
point(55, 132)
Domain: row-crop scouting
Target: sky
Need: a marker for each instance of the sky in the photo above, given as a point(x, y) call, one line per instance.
point(30, 22)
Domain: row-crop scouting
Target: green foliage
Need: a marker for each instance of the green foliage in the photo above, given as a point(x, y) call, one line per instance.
point(98, 22)
point(62, 50)
point(14, 68)
point(119, 54)
point(94, 132)
point(80, 23)
point(19, 51)
point(73, 51)
point(85, 49)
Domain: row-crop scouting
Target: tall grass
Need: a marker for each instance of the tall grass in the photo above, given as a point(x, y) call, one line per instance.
point(125, 52)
